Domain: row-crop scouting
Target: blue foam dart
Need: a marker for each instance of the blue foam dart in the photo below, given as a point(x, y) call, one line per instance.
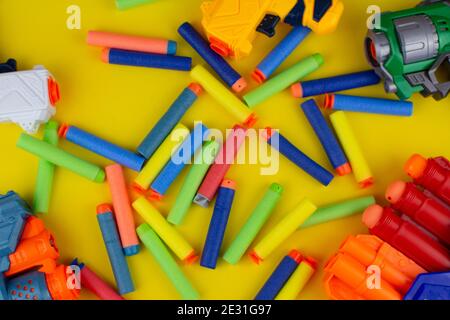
point(230, 76)
point(218, 224)
point(280, 276)
point(368, 105)
point(179, 160)
point(148, 60)
point(280, 53)
point(168, 121)
point(117, 259)
point(326, 136)
point(335, 84)
point(280, 143)
point(102, 147)
point(430, 286)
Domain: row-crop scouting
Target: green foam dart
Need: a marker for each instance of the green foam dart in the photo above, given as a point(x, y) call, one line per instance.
point(192, 182)
point(338, 211)
point(127, 4)
point(162, 255)
point(61, 158)
point(254, 224)
point(46, 170)
point(283, 80)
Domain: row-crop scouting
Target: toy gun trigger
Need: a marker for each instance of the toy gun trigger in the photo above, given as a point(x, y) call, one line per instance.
point(268, 24)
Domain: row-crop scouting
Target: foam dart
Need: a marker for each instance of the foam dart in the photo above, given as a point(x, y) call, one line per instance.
point(327, 138)
point(148, 60)
point(334, 84)
point(60, 158)
point(283, 80)
point(301, 160)
point(298, 280)
point(280, 53)
point(122, 209)
point(368, 105)
point(338, 211)
point(171, 237)
point(280, 276)
point(160, 158)
point(101, 147)
point(354, 275)
point(282, 230)
point(254, 224)
point(223, 96)
point(169, 120)
point(127, 4)
point(116, 256)
point(91, 281)
point(192, 182)
point(347, 137)
point(428, 212)
point(46, 170)
point(233, 79)
point(367, 256)
point(433, 174)
point(162, 255)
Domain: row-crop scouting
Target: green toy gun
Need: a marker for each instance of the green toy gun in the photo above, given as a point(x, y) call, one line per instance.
point(410, 50)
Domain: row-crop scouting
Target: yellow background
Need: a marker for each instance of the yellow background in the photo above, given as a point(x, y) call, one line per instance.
point(123, 103)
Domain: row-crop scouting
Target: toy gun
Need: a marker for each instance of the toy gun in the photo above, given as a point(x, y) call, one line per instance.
point(231, 25)
point(28, 98)
point(410, 50)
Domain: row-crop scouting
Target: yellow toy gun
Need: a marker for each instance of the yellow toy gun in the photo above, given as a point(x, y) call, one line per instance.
point(231, 25)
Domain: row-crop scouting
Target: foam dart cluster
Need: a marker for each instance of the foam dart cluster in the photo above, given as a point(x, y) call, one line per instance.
point(353, 274)
point(298, 280)
point(192, 182)
point(116, 256)
point(169, 120)
point(327, 138)
point(343, 82)
point(230, 76)
point(348, 140)
point(167, 263)
point(223, 96)
point(287, 226)
point(280, 276)
point(368, 105)
point(101, 147)
point(338, 211)
point(301, 160)
point(128, 4)
point(91, 281)
point(433, 174)
point(222, 164)
point(280, 53)
point(254, 224)
point(160, 158)
point(132, 43)
point(171, 237)
point(218, 224)
point(61, 158)
point(122, 209)
point(179, 159)
point(407, 238)
point(428, 212)
point(46, 171)
point(147, 60)
point(283, 80)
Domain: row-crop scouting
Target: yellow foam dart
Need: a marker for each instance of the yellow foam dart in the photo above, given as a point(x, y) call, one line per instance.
point(297, 280)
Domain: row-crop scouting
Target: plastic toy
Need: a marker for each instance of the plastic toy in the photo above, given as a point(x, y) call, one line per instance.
point(410, 50)
point(430, 286)
point(127, 4)
point(298, 280)
point(28, 98)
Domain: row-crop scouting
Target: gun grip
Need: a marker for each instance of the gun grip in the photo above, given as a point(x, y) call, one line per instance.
point(268, 24)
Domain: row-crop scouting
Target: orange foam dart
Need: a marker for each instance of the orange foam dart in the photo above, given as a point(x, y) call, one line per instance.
point(368, 256)
point(354, 275)
point(59, 286)
point(122, 209)
point(36, 249)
